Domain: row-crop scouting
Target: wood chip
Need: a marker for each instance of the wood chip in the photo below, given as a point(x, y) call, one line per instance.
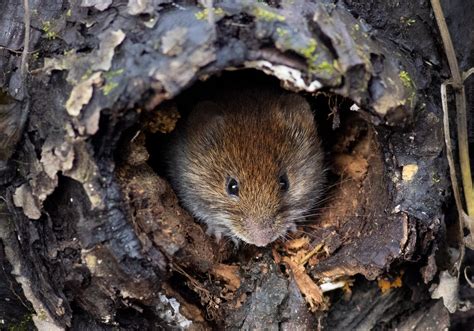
point(311, 291)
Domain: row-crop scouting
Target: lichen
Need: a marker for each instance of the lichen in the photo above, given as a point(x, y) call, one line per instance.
point(87, 74)
point(324, 67)
point(109, 87)
point(203, 14)
point(436, 178)
point(407, 21)
point(113, 73)
point(267, 15)
point(282, 33)
point(309, 52)
point(48, 30)
point(284, 39)
point(406, 79)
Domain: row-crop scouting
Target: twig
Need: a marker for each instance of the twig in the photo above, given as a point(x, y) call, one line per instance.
point(461, 124)
point(26, 42)
point(452, 172)
point(24, 66)
point(210, 12)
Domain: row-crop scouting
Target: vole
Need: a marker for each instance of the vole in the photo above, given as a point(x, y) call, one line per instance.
point(249, 164)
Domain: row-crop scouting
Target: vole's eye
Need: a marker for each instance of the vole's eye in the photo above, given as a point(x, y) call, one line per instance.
point(284, 183)
point(232, 187)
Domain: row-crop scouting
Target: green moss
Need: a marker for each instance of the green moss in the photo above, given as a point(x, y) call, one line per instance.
point(406, 79)
point(48, 30)
point(203, 14)
point(267, 15)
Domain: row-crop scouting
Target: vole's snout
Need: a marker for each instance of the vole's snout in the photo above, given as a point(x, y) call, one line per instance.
point(260, 233)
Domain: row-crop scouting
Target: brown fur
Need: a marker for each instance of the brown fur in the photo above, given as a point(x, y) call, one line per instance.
point(254, 137)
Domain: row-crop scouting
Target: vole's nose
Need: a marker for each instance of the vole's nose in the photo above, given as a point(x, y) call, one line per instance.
point(260, 235)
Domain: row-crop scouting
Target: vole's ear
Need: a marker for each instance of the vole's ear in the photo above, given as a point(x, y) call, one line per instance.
point(204, 120)
point(296, 111)
point(205, 113)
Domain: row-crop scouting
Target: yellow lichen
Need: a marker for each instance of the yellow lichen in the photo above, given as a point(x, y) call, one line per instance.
point(110, 85)
point(407, 21)
point(107, 88)
point(406, 79)
point(113, 73)
point(309, 51)
point(87, 74)
point(47, 29)
point(203, 14)
point(267, 15)
point(324, 67)
point(283, 33)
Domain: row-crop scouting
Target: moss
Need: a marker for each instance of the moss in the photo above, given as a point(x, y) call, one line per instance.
point(356, 27)
point(69, 13)
point(406, 79)
point(267, 15)
point(48, 30)
point(203, 14)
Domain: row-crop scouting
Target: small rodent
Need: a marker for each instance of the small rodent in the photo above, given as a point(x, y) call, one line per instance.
point(248, 164)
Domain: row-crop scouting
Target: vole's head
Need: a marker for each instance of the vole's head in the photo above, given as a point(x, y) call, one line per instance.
point(250, 168)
